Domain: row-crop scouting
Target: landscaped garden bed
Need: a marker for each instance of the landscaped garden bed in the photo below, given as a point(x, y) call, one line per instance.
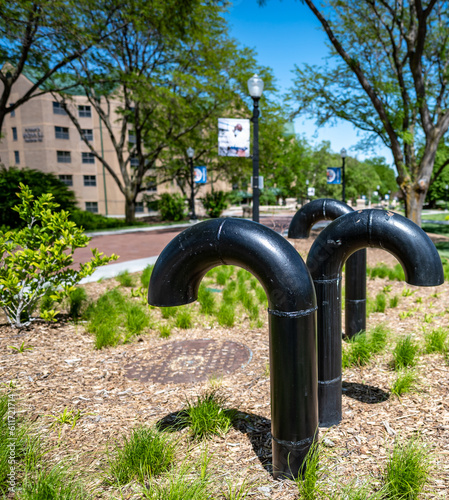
point(72, 385)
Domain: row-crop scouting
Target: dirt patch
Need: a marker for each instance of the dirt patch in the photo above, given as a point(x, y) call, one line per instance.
point(65, 371)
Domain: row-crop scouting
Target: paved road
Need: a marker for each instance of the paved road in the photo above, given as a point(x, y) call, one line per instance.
point(137, 249)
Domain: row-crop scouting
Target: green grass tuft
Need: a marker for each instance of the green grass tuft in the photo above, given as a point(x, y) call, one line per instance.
point(394, 301)
point(137, 319)
point(380, 303)
point(146, 275)
point(404, 353)
point(125, 279)
point(184, 318)
point(147, 452)
point(77, 299)
point(435, 341)
point(357, 352)
point(405, 382)
point(164, 331)
point(407, 471)
point(206, 299)
point(226, 315)
point(207, 416)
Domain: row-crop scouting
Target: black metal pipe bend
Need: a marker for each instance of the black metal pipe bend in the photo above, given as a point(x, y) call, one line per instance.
point(344, 236)
point(355, 275)
point(292, 317)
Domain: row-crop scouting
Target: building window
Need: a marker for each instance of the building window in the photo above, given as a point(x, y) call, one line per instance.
point(92, 206)
point(134, 162)
point(84, 111)
point(87, 157)
point(62, 132)
point(16, 157)
point(14, 133)
point(139, 207)
point(87, 134)
point(13, 112)
point(151, 184)
point(66, 179)
point(90, 180)
point(131, 137)
point(58, 108)
point(63, 156)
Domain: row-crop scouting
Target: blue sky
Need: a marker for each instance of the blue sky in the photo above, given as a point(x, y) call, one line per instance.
point(285, 33)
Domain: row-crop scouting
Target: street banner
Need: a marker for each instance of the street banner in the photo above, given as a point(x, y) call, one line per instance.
point(200, 175)
point(334, 175)
point(233, 137)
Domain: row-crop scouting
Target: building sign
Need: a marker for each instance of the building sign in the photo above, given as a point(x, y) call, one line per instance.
point(200, 175)
point(233, 137)
point(334, 175)
point(310, 191)
point(33, 135)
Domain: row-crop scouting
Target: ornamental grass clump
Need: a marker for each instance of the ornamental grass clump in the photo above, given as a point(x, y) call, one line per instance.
point(404, 353)
point(436, 341)
point(405, 382)
point(146, 453)
point(35, 260)
point(207, 416)
point(407, 471)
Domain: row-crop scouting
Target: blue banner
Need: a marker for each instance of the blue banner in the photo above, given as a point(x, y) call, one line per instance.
point(334, 175)
point(200, 175)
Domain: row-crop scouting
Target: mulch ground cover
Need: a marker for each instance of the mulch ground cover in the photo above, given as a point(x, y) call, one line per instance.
point(63, 370)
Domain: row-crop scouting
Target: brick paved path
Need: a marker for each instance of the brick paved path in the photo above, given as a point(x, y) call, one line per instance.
point(139, 245)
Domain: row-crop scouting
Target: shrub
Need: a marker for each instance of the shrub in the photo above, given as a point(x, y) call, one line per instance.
point(215, 203)
point(36, 259)
point(171, 207)
point(39, 183)
point(91, 222)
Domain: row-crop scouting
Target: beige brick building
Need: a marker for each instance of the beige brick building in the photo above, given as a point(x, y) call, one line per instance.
point(40, 135)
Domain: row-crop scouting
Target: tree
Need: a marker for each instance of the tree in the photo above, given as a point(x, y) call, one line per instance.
point(39, 183)
point(389, 78)
point(161, 82)
point(44, 37)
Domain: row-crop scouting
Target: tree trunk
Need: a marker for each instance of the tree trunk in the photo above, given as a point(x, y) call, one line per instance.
point(414, 201)
point(130, 211)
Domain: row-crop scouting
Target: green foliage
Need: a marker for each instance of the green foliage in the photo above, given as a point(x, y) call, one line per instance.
point(215, 202)
point(207, 416)
point(359, 349)
point(380, 303)
point(77, 298)
point(39, 183)
point(383, 271)
point(146, 453)
point(206, 300)
point(407, 471)
point(405, 382)
point(226, 315)
point(309, 474)
point(436, 340)
point(394, 301)
point(164, 331)
point(35, 259)
point(171, 207)
point(91, 222)
point(114, 318)
point(169, 312)
point(125, 279)
point(378, 337)
point(404, 353)
point(184, 318)
point(146, 275)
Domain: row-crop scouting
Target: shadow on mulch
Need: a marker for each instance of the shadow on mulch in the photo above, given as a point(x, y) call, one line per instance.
point(256, 427)
point(364, 393)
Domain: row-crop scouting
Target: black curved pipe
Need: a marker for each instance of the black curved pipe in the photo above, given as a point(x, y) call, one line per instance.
point(292, 317)
point(355, 274)
point(344, 236)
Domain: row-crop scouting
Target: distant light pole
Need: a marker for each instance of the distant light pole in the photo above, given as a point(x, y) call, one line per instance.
point(447, 187)
point(190, 154)
point(343, 176)
point(255, 88)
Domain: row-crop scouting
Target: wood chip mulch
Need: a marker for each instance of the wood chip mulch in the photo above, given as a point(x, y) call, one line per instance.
point(65, 371)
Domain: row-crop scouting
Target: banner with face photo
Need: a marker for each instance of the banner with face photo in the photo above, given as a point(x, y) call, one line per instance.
point(233, 137)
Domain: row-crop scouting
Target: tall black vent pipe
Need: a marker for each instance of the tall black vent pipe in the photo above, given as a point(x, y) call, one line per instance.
point(344, 236)
point(292, 317)
point(355, 274)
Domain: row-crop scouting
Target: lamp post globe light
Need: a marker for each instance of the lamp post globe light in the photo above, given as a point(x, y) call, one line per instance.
point(190, 154)
point(255, 88)
point(343, 177)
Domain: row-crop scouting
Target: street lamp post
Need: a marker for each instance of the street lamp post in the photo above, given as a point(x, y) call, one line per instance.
point(255, 88)
point(190, 153)
point(343, 176)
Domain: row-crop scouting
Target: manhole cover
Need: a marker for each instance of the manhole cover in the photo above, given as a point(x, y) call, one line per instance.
point(189, 361)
